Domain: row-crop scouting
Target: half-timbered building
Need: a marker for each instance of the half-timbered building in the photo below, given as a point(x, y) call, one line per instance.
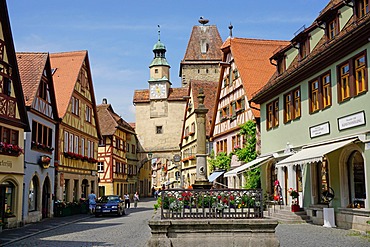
point(116, 175)
point(78, 129)
point(13, 124)
point(245, 67)
point(38, 90)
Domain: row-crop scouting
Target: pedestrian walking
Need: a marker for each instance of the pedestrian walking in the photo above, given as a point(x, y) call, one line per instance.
point(153, 191)
point(136, 199)
point(92, 202)
point(127, 200)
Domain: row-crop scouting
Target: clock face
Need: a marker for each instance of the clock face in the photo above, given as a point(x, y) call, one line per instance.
point(157, 91)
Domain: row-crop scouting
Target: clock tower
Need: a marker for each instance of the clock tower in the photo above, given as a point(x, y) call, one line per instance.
point(159, 82)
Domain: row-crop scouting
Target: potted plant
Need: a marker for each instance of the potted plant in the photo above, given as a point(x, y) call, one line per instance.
point(294, 194)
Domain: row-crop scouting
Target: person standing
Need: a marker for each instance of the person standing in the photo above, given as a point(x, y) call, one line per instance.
point(136, 199)
point(127, 200)
point(92, 202)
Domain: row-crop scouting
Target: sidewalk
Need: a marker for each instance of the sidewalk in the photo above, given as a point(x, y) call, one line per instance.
point(8, 236)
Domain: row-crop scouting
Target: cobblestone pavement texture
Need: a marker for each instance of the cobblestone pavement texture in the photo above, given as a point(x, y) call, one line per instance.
point(132, 230)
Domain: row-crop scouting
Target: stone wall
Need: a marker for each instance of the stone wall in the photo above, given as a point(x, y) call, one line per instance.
point(204, 72)
point(212, 232)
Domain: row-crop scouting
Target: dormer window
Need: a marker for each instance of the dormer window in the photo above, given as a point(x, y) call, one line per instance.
point(281, 65)
point(332, 28)
point(362, 7)
point(204, 46)
point(304, 48)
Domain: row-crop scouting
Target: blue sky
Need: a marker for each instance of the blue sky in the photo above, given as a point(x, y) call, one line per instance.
point(119, 34)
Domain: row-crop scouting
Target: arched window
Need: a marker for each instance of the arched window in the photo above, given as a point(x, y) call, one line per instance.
point(32, 194)
point(7, 199)
point(356, 177)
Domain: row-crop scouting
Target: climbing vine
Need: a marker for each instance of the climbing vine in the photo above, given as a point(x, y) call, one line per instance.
point(249, 153)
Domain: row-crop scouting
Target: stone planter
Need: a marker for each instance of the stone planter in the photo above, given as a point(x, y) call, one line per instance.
point(212, 232)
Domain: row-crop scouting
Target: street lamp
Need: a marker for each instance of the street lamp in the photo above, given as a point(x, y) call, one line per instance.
point(150, 155)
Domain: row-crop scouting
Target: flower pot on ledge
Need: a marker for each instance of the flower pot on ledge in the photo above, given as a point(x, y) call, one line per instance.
point(295, 208)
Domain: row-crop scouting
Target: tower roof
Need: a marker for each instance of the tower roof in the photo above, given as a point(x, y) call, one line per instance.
point(159, 50)
point(208, 37)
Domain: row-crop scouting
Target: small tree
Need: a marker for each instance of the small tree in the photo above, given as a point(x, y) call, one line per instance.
point(248, 153)
point(221, 161)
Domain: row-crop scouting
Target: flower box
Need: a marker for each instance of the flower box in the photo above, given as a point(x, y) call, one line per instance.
point(10, 149)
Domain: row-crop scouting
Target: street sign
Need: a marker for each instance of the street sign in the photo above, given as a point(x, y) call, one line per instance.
point(176, 158)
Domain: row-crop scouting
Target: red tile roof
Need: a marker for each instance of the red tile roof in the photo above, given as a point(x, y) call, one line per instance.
point(31, 67)
point(111, 121)
point(320, 51)
point(210, 93)
point(67, 65)
point(251, 57)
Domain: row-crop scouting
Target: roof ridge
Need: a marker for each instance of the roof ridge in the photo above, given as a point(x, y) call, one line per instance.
point(68, 52)
point(258, 39)
point(31, 52)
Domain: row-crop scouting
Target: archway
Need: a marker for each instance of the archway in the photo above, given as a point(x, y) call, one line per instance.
point(271, 178)
point(34, 194)
point(46, 189)
point(351, 157)
point(7, 199)
point(356, 180)
point(84, 187)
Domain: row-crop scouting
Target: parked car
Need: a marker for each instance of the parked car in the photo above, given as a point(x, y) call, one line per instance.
point(111, 204)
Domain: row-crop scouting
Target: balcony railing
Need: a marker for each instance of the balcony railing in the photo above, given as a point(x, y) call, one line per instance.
point(206, 204)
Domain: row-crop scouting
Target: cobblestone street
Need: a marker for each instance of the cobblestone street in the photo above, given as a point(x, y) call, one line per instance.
point(132, 230)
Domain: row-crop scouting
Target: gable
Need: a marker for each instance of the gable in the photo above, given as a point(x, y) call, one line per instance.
point(37, 83)
point(12, 108)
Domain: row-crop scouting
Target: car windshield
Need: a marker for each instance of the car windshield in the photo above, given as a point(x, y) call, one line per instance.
point(105, 199)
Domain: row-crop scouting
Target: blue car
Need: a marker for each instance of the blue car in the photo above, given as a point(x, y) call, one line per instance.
point(109, 205)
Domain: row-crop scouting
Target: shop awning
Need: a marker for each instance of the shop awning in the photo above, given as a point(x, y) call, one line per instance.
point(313, 153)
point(214, 176)
point(250, 165)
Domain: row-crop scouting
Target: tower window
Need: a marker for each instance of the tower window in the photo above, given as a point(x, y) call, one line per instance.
point(159, 130)
point(156, 71)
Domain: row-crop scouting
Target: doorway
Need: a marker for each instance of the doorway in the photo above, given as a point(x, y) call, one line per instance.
point(46, 198)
